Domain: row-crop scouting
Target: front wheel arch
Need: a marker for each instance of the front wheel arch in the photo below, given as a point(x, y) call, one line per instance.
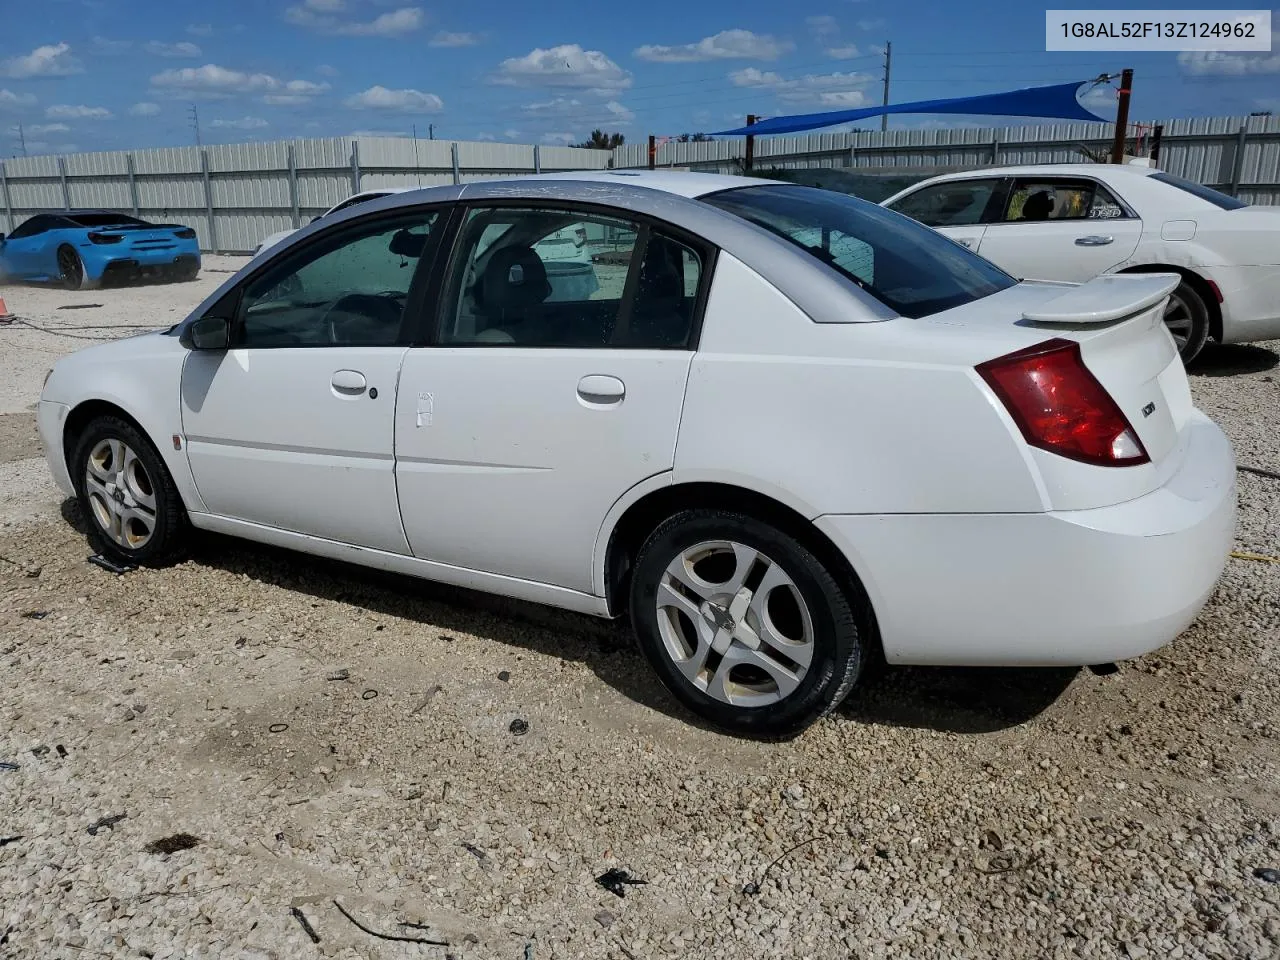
point(84, 414)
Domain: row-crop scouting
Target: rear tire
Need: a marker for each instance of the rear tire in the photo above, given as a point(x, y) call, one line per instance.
point(744, 624)
point(70, 269)
point(1187, 318)
point(131, 507)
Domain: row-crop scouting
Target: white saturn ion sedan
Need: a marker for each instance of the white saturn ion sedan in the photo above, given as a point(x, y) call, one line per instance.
point(1076, 221)
point(782, 430)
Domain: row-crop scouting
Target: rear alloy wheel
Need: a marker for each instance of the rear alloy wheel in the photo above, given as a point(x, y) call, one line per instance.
point(70, 269)
point(131, 507)
point(743, 624)
point(1187, 318)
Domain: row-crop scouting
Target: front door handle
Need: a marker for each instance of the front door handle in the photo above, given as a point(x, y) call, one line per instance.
point(601, 390)
point(348, 383)
point(1094, 241)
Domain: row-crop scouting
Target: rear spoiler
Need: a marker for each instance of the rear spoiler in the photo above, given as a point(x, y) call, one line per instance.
point(1112, 296)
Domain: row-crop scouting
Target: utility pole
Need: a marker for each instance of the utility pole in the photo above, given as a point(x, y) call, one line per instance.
point(22, 140)
point(195, 122)
point(888, 63)
point(1122, 115)
point(431, 131)
point(751, 145)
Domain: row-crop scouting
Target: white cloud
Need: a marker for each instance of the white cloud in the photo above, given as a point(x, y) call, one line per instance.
point(620, 113)
point(845, 52)
point(511, 134)
point(725, 45)
point(325, 70)
point(104, 45)
point(1204, 63)
point(871, 24)
point(10, 100)
point(244, 123)
point(183, 48)
point(574, 110)
point(823, 26)
point(404, 101)
point(485, 136)
point(828, 89)
point(214, 81)
point(567, 65)
point(200, 29)
point(65, 111)
point(51, 60)
point(144, 109)
point(558, 139)
point(395, 23)
point(41, 129)
point(446, 39)
point(296, 91)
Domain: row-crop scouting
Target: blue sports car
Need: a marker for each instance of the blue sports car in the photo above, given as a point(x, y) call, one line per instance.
point(81, 249)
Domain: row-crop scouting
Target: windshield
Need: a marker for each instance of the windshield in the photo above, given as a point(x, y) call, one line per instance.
point(1201, 191)
point(906, 266)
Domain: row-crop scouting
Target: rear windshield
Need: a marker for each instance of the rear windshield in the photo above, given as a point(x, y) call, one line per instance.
point(906, 266)
point(1201, 191)
point(101, 219)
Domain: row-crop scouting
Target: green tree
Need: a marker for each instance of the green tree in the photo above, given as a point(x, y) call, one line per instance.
point(599, 140)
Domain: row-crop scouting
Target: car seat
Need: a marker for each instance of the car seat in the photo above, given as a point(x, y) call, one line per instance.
point(660, 316)
point(513, 286)
point(1038, 206)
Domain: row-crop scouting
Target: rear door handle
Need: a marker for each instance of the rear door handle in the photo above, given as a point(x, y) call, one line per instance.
point(348, 383)
point(1093, 241)
point(601, 390)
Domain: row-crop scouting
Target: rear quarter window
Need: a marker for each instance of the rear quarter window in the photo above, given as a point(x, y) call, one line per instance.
point(1207, 194)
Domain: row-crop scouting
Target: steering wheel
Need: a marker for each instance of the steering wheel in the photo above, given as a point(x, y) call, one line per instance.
point(379, 308)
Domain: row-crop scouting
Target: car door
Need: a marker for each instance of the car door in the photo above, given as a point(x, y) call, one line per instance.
point(1060, 228)
point(23, 253)
point(955, 208)
point(293, 426)
point(547, 393)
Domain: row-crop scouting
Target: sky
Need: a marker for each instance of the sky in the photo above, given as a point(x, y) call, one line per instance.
point(83, 75)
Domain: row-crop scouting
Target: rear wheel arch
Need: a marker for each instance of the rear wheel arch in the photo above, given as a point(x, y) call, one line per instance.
point(649, 512)
point(1197, 283)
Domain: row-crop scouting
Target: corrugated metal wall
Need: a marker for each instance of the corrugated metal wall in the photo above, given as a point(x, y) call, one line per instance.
point(234, 195)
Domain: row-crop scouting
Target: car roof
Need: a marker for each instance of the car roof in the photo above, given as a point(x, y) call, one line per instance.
point(678, 182)
point(1103, 171)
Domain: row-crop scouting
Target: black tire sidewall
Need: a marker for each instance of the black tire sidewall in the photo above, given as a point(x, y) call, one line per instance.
point(1199, 321)
point(70, 283)
point(171, 524)
point(839, 651)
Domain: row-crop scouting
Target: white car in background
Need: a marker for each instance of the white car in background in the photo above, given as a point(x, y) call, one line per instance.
point(1076, 221)
point(356, 198)
point(788, 429)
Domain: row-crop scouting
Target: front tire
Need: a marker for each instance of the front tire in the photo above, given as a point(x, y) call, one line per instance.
point(744, 624)
point(132, 509)
point(1187, 318)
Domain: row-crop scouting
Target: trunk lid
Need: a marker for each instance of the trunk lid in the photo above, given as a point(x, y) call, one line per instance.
point(142, 238)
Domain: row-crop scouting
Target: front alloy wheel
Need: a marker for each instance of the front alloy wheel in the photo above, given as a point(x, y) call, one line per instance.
point(131, 507)
point(70, 269)
point(1187, 318)
point(744, 624)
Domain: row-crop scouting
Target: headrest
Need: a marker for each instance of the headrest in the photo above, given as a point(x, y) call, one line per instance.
point(514, 279)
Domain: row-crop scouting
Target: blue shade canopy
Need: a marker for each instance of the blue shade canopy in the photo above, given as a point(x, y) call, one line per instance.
point(1057, 102)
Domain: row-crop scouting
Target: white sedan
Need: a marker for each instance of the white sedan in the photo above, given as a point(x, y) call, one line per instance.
point(1076, 221)
point(784, 429)
point(364, 196)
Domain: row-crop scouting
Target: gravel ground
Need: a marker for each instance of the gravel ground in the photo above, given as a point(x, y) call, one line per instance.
point(327, 734)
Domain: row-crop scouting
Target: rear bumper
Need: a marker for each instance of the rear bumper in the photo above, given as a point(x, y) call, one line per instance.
point(102, 263)
point(1250, 302)
point(1050, 589)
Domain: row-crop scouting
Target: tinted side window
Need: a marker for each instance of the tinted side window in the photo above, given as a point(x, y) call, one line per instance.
point(1200, 190)
point(31, 227)
point(1060, 199)
point(952, 204)
point(564, 278)
point(349, 289)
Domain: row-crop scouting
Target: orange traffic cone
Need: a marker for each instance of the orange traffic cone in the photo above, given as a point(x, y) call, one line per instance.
point(5, 315)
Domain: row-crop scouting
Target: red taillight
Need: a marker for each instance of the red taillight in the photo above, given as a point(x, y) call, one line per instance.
point(1061, 407)
point(105, 238)
point(185, 233)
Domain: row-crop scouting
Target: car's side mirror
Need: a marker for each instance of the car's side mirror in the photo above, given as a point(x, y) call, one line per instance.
point(208, 333)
